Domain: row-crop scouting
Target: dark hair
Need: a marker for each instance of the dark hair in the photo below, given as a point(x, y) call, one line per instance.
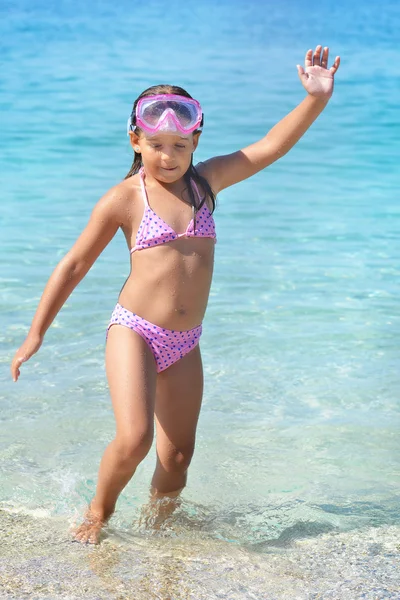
point(192, 172)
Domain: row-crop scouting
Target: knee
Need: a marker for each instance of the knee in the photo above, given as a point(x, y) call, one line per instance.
point(178, 459)
point(134, 446)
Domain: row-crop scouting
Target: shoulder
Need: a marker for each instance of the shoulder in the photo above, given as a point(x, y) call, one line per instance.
point(208, 172)
point(119, 202)
point(202, 169)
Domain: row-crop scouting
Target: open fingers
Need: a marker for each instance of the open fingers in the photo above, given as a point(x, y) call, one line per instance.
point(324, 58)
point(317, 56)
point(335, 65)
point(308, 60)
point(311, 60)
point(320, 59)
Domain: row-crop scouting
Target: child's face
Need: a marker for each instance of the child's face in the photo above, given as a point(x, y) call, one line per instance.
point(166, 156)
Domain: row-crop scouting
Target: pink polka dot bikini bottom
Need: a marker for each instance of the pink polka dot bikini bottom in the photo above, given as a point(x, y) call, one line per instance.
point(167, 345)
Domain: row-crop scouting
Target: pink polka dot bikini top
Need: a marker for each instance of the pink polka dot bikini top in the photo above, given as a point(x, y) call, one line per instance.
point(153, 231)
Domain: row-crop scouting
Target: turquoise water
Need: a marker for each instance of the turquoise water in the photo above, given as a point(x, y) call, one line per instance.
point(293, 491)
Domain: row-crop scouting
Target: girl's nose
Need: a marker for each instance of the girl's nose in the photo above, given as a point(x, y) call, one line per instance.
point(167, 154)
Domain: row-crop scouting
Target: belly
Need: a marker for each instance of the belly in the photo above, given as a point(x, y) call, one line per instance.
point(169, 285)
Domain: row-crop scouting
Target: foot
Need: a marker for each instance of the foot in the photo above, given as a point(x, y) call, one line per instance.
point(158, 510)
point(90, 529)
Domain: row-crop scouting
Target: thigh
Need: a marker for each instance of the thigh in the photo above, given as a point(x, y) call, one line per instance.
point(131, 374)
point(179, 395)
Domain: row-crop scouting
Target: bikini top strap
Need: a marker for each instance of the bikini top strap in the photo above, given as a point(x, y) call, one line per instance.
point(144, 192)
point(196, 189)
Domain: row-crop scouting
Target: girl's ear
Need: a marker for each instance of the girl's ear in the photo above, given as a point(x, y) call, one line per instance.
point(134, 140)
point(196, 137)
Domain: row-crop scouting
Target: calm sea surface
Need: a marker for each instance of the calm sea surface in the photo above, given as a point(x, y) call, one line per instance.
point(293, 491)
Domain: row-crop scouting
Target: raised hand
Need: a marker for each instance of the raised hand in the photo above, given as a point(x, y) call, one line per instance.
point(317, 79)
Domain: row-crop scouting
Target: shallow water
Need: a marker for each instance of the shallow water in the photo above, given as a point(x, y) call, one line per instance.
point(293, 491)
point(185, 560)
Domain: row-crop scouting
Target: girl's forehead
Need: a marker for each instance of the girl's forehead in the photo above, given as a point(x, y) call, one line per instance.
point(167, 137)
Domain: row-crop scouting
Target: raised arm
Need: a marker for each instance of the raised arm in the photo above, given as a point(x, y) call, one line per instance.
point(101, 228)
point(317, 79)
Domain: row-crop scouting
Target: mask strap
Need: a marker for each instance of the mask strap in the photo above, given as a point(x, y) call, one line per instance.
point(130, 125)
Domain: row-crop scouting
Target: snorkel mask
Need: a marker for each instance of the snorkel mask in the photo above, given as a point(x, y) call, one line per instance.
point(166, 113)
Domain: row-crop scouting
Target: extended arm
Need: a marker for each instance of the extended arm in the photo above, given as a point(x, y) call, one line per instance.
point(101, 228)
point(223, 171)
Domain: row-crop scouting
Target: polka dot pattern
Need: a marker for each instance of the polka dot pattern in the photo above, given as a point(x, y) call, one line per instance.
point(153, 231)
point(167, 345)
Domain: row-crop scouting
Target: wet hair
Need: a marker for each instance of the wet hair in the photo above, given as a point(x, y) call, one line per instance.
point(192, 172)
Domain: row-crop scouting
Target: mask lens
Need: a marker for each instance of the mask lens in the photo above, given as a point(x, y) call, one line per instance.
point(183, 113)
point(152, 111)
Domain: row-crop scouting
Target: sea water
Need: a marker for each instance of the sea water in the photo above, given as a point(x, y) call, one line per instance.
point(293, 490)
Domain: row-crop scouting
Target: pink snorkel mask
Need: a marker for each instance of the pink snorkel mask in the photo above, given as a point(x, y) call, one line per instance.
point(166, 113)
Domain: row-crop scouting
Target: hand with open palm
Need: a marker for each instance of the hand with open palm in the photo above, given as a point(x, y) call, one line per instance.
point(317, 79)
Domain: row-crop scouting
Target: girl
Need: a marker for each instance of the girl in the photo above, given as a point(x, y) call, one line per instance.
point(164, 207)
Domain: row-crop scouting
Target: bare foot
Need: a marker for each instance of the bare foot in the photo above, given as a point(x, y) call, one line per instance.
point(157, 512)
point(90, 529)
